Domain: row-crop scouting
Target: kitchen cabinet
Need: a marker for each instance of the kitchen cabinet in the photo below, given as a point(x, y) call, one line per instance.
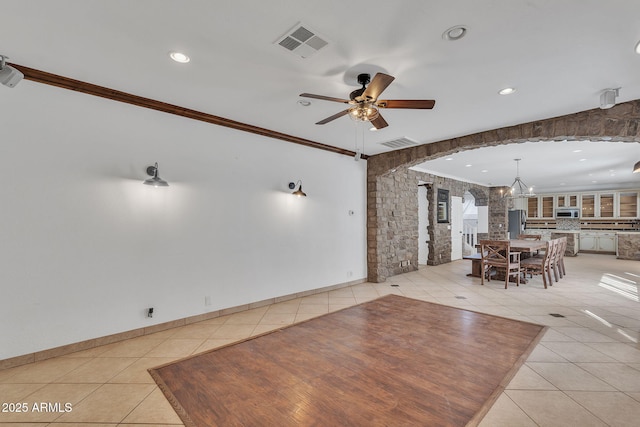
point(606, 205)
point(598, 242)
point(532, 207)
point(567, 201)
point(628, 204)
point(588, 202)
point(607, 242)
point(597, 205)
point(547, 206)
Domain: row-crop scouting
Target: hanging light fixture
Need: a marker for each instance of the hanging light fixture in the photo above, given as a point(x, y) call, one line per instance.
point(155, 180)
point(519, 188)
point(299, 191)
point(636, 168)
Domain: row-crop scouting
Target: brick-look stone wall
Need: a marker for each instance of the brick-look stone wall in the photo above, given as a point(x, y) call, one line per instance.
point(629, 246)
point(395, 226)
point(498, 214)
point(388, 173)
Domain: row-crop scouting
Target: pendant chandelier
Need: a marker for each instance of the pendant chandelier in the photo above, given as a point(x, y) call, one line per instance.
point(519, 188)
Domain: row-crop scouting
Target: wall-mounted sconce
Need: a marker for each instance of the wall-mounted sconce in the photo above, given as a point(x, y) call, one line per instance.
point(150, 312)
point(9, 76)
point(299, 191)
point(155, 180)
point(636, 168)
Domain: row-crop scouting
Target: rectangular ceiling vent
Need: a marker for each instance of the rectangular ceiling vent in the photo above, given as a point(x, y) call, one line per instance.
point(400, 143)
point(302, 41)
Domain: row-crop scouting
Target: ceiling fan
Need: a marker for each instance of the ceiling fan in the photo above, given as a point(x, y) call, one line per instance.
point(365, 104)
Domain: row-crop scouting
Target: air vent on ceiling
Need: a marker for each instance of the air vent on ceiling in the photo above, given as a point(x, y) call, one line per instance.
point(400, 143)
point(302, 41)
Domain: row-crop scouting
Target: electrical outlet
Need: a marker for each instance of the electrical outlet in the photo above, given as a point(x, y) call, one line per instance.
point(207, 300)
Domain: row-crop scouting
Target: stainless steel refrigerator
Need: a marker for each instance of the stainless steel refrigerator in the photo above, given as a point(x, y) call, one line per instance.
point(517, 220)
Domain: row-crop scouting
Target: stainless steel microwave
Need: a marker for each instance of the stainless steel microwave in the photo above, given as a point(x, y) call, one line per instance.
point(568, 213)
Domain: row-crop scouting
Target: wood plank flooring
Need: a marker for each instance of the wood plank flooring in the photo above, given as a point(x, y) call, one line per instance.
point(391, 361)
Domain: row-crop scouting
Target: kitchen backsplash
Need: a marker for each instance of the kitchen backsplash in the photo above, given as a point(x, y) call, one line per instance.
point(567, 224)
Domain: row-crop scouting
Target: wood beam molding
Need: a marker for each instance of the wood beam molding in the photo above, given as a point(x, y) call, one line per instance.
point(116, 95)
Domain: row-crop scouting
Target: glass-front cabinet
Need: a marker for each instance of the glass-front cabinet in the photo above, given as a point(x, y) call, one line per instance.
point(567, 201)
point(532, 207)
point(606, 205)
point(628, 204)
point(588, 206)
point(547, 206)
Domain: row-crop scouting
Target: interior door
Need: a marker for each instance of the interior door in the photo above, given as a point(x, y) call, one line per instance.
point(423, 224)
point(456, 227)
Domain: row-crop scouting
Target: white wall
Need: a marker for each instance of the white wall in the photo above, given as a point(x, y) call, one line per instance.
point(86, 248)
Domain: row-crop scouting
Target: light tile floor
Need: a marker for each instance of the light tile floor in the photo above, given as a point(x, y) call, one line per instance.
point(584, 372)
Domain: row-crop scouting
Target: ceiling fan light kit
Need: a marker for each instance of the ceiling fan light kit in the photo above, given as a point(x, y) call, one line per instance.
point(365, 104)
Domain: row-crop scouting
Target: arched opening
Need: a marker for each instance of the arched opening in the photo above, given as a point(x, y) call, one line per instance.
point(392, 185)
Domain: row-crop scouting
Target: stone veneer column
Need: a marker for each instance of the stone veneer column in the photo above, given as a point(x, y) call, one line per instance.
point(498, 214)
point(392, 221)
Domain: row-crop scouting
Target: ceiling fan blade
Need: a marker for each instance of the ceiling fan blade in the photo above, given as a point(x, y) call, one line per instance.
point(326, 98)
point(335, 116)
point(407, 103)
point(377, 85)
point(379, 122)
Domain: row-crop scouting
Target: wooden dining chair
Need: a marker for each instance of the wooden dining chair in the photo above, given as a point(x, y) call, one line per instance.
point(539, 265)
point(560, 256)
point(497, 255)
point(554, 248)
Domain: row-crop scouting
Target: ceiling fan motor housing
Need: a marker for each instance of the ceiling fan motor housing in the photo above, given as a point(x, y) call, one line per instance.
point(364, 80)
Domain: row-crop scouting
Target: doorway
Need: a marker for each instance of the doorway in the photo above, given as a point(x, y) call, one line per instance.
point(456, 228)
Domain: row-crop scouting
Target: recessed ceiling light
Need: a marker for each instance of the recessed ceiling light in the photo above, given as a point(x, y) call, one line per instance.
point(467, 166)
point(454, 33)
point(484, 171)
point(449, 158)
point(582, 160)
point(577, 151)
point(179, 57)
point(507, 91)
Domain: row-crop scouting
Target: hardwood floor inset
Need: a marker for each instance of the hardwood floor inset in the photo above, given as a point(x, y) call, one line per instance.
point(391, 361)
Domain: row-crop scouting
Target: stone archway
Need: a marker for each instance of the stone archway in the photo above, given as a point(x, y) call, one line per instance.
point(391, 214)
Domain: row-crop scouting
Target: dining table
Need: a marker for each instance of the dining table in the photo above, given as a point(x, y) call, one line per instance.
point(515, 245)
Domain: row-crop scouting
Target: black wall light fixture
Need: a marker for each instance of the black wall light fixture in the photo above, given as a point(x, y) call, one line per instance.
point(155, 180)
point(299, 191)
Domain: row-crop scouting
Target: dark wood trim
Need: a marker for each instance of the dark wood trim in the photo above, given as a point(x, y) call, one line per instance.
point(116, 95)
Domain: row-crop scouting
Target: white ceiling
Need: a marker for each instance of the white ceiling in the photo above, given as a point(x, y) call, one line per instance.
point(559, 55)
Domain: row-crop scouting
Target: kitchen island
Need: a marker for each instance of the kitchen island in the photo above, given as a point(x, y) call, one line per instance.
point(628, 245)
